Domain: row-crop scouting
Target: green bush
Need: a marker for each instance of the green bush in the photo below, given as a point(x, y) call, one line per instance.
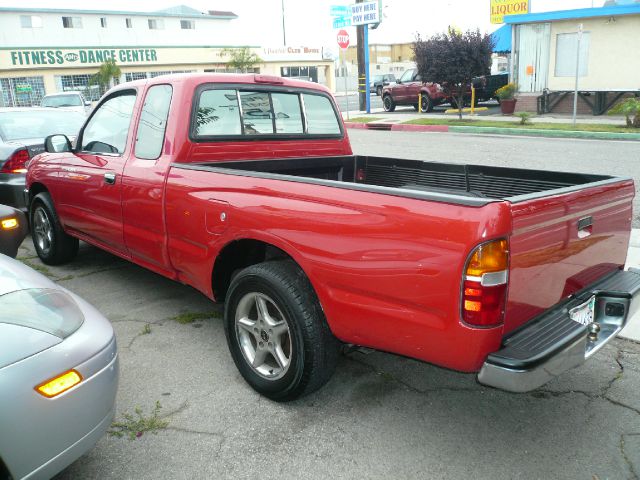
point(630, 108)
point(525, 117)
point(507, 92)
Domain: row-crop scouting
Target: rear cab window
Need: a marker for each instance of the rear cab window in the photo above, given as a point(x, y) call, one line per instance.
point(248, 112)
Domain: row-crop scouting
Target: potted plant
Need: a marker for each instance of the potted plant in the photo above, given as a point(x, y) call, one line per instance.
point(506, 95)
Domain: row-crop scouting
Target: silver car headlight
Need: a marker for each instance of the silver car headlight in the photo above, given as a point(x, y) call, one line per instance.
point(48, 310)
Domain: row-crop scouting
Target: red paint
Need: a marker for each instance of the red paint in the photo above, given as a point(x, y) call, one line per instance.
point(387, 269)
point(343, 39)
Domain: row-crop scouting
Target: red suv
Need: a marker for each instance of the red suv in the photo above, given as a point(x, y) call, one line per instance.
point(406, 90)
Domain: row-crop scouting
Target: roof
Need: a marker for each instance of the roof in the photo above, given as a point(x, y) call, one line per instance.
point(173, 12)
point(576, 14)
point(502, 39)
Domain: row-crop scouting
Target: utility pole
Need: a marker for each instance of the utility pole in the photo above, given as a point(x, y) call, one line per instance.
point(284, 33)
point(362, 88)
point(575, 92)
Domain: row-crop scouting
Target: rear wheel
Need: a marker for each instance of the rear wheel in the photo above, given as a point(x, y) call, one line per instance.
point(52, 244)
point(388, 103)
point(276, 331)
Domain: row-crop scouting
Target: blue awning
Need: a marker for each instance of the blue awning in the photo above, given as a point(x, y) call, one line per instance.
point(611, 11)
point(502, 39)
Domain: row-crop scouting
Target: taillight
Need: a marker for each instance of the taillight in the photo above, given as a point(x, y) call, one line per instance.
point(17, 162)
point(484, 286)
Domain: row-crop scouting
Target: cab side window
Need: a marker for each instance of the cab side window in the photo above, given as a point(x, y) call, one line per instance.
point(153, 122)
point(108, 128)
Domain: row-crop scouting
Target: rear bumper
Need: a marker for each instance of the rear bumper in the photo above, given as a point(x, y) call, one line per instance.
point(554, 343)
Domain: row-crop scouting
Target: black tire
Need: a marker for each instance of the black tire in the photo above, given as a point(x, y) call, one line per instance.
point(379, 91)
point(388, 103)
point(426, 104)
point(52, 244)
point(290, 298)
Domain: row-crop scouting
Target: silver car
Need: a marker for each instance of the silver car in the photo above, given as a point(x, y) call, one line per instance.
point(58, 374)
point(22, 134)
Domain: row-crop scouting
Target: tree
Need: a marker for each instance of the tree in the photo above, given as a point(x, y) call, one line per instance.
point(106, 75)
point(242, 59)
point(452, 59)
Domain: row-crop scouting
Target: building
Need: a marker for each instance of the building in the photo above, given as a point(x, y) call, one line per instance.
point(545, 56)
point(44, 51)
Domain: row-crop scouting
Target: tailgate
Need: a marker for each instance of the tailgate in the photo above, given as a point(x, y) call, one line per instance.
point(562, 243)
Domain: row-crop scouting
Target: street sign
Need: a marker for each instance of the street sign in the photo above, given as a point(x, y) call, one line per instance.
point(339, 11)
point(341, 22)
point(365, 13)
point(500, 8)
point(343, 39)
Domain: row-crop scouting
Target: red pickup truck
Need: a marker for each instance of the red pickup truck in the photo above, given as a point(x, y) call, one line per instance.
point(246, 188)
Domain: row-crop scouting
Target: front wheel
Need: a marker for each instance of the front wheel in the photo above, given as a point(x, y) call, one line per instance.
point(276, 331)
point(379, 91)
point(52, 244)
point(426, 104)
point(388, 103)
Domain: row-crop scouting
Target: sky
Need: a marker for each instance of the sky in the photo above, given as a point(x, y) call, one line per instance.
point(308, 23)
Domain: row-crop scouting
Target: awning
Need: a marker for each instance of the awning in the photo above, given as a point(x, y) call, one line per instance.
point(502, 39)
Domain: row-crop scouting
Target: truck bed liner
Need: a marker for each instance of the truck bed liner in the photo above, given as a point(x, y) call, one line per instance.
point(413, 178)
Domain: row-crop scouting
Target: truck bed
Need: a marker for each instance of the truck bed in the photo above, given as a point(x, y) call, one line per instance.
point(464, 184)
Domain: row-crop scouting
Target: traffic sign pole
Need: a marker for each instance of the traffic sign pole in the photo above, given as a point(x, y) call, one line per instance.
point(366, 68)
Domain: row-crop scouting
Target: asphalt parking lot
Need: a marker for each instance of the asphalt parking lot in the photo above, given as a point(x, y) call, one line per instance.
point(381, 416)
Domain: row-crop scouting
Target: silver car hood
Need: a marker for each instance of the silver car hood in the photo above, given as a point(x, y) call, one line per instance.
point(18, 343)
point(15, 275)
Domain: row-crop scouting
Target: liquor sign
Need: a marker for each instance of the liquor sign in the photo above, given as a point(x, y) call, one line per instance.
point(500, 8)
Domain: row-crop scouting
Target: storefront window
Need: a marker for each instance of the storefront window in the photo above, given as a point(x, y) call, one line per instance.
point(81, 83)
point(21, 91)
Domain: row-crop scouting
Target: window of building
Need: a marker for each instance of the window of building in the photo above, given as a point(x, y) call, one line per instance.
point(156, 24)
point(103, 22)
point(187, 24)
point(21, 91)
point(301, 73)
point(566, 49)
point(153, 122)
point(81, 83)
point(107, 130)
point(128, 23)
point(131, 76)
point(72, 22)
point(30, 21)
point(321, 118)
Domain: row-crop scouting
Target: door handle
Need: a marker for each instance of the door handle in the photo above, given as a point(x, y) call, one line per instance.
point(110, 178)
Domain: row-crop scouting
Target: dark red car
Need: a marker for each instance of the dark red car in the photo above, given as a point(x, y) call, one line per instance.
point(407, 89)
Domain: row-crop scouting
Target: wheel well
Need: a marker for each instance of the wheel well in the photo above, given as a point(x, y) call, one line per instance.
point(236, 256)
point(35, 189)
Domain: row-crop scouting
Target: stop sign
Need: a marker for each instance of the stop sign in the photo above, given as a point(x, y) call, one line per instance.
point(343, 39)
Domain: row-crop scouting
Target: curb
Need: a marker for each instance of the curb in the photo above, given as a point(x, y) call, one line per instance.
point(535, 132)
point(523, 132)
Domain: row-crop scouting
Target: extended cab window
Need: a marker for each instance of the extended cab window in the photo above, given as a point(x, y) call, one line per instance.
point(153, 121)
point(107, 130)
point(245, 112)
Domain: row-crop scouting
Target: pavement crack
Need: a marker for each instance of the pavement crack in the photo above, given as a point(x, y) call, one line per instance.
point(634, 474)
point(196, 432)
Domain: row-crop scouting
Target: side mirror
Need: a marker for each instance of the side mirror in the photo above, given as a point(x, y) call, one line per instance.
point(57, 143)
point(87, 103)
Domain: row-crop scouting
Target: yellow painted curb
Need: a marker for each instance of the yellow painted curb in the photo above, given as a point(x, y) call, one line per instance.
point(467, 110)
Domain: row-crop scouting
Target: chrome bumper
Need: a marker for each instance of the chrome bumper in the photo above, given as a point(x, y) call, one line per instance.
point(554, 343)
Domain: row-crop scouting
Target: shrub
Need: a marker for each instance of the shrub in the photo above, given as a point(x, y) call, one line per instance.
point(630, 108)
point(507, 92)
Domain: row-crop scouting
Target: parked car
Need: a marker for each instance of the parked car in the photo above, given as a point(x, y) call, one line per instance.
point(226, 183)
point(423, 96)
point(58, 371)
point(22, 133)
point(13, 229)
point(68, 100)
point(487, 85)
point(379, 81)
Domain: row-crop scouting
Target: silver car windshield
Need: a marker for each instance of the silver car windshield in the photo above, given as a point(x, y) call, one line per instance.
point(62, 101)
point(25, 124)
point(47, 310)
